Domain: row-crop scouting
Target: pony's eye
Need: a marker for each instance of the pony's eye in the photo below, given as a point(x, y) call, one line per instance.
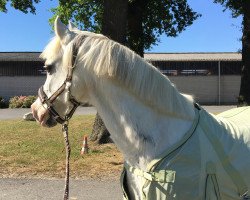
point(48, 68)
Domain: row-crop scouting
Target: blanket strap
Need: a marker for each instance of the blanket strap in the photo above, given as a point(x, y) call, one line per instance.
point(227, 165)
point(163, 176)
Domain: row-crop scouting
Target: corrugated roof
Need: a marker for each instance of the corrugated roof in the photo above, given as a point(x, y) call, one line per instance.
point(228, 56)
point(20, 56)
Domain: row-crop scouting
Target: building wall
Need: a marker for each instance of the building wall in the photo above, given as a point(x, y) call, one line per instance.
point(20, 85)
point(230, 88)
point(205, 89)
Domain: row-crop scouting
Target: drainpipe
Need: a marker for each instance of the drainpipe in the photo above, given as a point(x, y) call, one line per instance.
point(219, 84)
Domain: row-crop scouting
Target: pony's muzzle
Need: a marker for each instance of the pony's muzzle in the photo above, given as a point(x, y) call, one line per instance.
point(42, 115)
point(51, 122)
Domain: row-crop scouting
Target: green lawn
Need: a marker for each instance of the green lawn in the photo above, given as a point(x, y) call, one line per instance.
point(27, 149)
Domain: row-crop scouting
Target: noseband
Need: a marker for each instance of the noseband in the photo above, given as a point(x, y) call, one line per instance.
point(65, 86)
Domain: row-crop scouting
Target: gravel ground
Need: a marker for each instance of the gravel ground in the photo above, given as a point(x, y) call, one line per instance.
point(19, 112)
point(41, 189)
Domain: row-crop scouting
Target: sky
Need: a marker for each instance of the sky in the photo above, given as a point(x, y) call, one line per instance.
point(214, 31)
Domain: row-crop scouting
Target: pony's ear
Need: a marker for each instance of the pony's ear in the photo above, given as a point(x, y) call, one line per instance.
point(60, 29)
point(72, 26)
point(63, 32)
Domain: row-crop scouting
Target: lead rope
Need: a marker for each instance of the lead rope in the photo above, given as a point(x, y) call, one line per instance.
point(67, 148)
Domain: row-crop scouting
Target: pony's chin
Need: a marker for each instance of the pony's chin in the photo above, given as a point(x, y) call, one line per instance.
point(51, 122)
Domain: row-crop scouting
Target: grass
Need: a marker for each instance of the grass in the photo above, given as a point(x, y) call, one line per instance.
point(29, 150)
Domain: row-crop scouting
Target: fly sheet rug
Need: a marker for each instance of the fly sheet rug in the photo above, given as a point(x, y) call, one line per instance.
point(211, 162)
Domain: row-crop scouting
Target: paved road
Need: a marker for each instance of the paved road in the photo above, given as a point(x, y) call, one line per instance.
point(18, 113)
point(218, 109)
point(41, 189)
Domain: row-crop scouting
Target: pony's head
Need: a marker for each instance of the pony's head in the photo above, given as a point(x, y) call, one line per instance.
point(68, 84)
point(58, 97)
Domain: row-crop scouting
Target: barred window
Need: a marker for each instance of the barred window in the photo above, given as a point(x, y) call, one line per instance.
point(21, 68)
point(198, 68)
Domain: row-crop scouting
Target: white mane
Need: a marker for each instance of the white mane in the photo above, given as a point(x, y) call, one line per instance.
point(107, 58)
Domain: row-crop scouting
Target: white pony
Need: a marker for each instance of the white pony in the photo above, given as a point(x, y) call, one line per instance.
point(141, 108)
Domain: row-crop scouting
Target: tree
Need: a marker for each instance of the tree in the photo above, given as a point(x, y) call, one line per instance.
point(114, 20)
point(242, 7)
point(146, 19)
point(113, 26)
point(244, 96)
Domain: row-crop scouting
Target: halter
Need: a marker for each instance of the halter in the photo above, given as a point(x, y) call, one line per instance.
point(64, 121)
point(65, 86)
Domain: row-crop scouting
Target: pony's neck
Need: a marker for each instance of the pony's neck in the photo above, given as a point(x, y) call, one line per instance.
point(139, 131)
point(142, 110)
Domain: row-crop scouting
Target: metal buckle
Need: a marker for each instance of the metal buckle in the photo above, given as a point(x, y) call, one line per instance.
point(245, 196)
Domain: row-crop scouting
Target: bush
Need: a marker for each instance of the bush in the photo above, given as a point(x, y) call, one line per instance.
point(29, 100)
point(3, 103)
point(21, 101)
point(241, 101)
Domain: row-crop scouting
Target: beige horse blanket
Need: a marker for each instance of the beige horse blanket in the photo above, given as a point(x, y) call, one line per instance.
point(212, 162)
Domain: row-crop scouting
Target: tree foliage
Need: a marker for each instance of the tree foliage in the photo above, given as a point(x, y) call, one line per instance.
point(235, 6)
point(23, 5)
point(157, 17)
point(87, 14)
